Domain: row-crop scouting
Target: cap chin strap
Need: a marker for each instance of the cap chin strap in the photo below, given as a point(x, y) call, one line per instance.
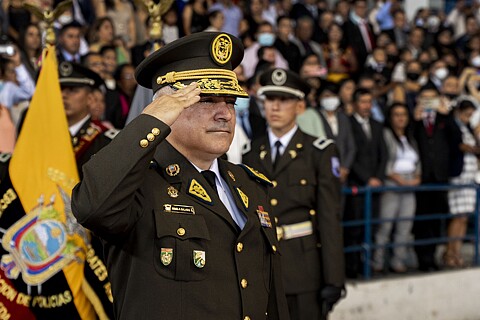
point(297, 93)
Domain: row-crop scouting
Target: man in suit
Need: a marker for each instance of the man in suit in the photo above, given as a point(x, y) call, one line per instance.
point(305, 198)
point(338, 128)
point(69, 42)
point(359, 34)
point(433, 128)
point(368, 170)
point(187, 235)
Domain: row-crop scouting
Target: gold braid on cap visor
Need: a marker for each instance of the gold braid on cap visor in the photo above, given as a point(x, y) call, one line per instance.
point(210, 81)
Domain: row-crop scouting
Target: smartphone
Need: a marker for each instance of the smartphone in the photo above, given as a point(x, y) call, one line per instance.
point(430, 103)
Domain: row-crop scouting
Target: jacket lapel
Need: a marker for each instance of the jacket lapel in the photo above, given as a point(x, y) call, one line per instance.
point(265, 156)
point(240, 194)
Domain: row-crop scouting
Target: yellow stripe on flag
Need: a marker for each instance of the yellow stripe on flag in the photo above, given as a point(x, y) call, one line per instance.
point(43, 161)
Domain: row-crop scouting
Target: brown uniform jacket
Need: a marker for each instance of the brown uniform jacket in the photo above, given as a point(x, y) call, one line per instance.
point(150, 252)
point(306, 188)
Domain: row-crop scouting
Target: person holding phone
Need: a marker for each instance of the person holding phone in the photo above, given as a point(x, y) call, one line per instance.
point(432, 130)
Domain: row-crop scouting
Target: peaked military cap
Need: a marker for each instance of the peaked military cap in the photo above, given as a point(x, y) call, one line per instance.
point(75, 75)
point(283, 83)
point(205, 57)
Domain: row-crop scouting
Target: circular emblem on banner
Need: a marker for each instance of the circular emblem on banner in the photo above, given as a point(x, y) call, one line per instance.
point(221, 50)
point(279, 77)
point(66, 69)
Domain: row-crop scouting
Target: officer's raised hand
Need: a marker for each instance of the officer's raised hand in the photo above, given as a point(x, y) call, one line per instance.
point(167, 107)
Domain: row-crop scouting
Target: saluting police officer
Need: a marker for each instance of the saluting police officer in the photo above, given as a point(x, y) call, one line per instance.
point(305, 198)
point(187, 234)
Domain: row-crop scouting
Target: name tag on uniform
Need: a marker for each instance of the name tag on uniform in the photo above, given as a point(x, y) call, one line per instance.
point(178, 208)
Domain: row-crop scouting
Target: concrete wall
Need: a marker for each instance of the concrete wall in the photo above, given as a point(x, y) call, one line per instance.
point(448, 295)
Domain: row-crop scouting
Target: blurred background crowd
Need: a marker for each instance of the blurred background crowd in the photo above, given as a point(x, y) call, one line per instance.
point(399, 95)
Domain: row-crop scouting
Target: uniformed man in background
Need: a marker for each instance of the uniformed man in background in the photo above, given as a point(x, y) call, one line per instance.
point(78, 84)
point(187, 235)
point(305, 198)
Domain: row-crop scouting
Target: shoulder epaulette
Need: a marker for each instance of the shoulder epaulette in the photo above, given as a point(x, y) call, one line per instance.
point(111, 133)
point(322, 143)
point(257, 176)
point(4, 157)
point(246, 148)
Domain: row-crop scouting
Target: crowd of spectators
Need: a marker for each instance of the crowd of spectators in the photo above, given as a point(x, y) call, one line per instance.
point(398, 96)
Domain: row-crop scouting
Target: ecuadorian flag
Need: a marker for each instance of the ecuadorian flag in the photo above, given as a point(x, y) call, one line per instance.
point(43, 172)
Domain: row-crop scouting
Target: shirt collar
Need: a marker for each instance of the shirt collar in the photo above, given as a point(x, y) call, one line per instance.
point(213, 167)
point(285, 139)
point(76, 127)
point(360, 119)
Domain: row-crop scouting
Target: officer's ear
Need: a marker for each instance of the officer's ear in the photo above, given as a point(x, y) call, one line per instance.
point(301, 106)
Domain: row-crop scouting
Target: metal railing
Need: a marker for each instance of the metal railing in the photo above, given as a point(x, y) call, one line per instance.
point(368, 221)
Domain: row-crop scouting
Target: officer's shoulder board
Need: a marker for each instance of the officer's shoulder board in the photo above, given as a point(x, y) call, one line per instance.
point(111, 133)
point(4, 157)
point(246, 148)
point(257, 176)
point(322, 143)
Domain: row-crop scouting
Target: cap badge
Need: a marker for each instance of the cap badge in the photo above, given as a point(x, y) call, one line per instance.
point(222, 49)
point(66, 69)
point(279, 77)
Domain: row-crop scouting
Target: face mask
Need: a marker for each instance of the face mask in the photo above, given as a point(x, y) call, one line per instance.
point(241, 105)
point(266, 39)
point(476, 62)
point(330, 103)
point(65, 19)
point(413, 76)
point(441, 73)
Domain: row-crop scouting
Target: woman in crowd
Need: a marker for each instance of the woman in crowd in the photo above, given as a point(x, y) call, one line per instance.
point(407, 91)
point(103, 34)
point(345, 93)
point(30, 44)
point(195, 16)
point(122, 14)
point(465, 151)
point(341, 62)
point(403, 169)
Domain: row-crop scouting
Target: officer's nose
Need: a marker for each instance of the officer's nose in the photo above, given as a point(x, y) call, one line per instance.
point(223, 111)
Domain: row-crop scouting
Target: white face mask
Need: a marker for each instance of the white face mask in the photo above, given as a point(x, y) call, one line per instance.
point(241, 105)
point(476, 61)
point(330, 103)
point(441, 73)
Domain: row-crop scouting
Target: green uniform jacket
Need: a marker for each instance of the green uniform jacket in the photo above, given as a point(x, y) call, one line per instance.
point(306, 188)
point(124, 196)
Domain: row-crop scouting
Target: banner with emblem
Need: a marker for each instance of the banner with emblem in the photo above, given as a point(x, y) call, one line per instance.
point(44, 251)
